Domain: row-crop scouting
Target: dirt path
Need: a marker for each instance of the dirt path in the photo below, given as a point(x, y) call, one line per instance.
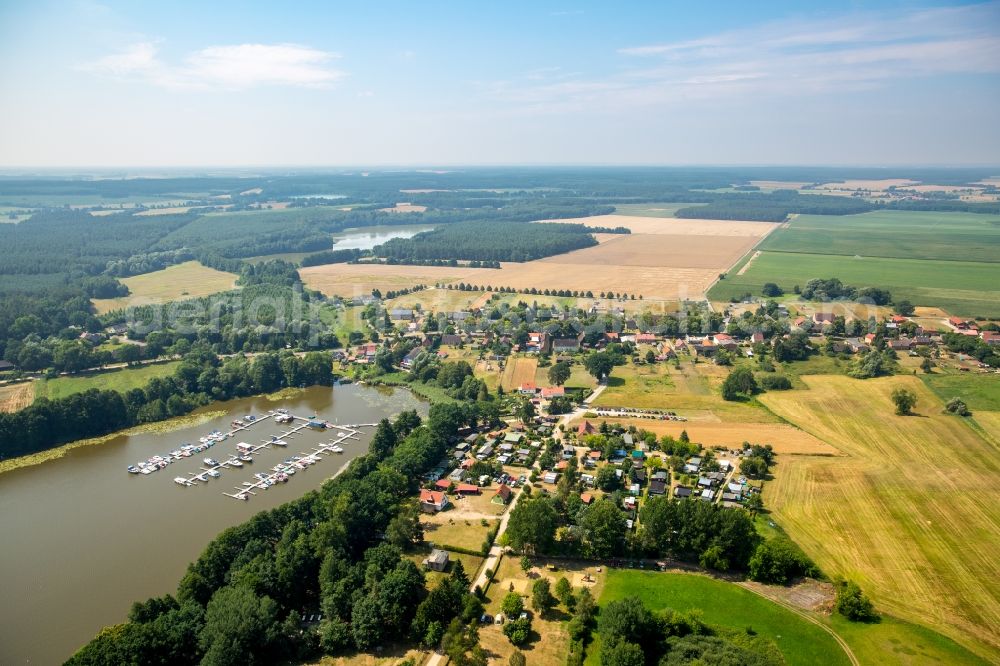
point(809, 618)
point(747, 265)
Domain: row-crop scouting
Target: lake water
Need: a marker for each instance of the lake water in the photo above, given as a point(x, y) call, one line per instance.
point(82, 538)
point(366, 238)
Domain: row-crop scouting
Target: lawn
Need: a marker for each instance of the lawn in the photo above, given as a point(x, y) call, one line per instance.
point(120, 380)
point(900, 234)
point(467, 533)
point(965, 288)
point(187, 280)
point(578, 377)
point(979, 391)
point(550, 640)
point(727, 605)
point(887, 514)
point(900, 642)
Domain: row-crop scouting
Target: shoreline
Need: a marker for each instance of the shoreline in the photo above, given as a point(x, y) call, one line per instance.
point(32, 459)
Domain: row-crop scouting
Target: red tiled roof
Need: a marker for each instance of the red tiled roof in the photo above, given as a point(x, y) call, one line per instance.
point(431, 497)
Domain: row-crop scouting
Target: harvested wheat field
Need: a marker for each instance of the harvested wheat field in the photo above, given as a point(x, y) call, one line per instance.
point(675, 226)
point(15, 397)
point(187, 280)
point(784, 438)
point(519, 370)
point(360, 279)
point(874, 185)
point(910, 513)
point(679, 260)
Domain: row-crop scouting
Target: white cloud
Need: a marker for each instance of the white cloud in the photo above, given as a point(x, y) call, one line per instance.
point(857, 51)
point(236, 67)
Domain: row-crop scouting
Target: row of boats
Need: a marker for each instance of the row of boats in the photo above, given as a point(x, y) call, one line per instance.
point(158, 462)
point(281, 472)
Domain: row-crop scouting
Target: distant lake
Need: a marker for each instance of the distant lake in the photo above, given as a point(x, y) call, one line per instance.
point(320, 196)
point(366, 238)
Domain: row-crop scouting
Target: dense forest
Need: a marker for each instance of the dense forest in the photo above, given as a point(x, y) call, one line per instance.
point(498, 241)
point(774, 207)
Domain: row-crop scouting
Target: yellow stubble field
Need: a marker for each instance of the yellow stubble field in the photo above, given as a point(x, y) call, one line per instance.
point(912, 512)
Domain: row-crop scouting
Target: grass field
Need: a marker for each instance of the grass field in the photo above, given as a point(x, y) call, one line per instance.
point(962, 288)
point(518, 370)
point(578, 377)
point(691, 391)
point(119, 380)
point(899, 234)
point(980, 392)
point(899, 642)
point(727, 605)
point(14, 397)
point(187, 280)
point(907, 513)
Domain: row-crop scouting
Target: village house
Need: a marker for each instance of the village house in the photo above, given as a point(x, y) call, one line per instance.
point(538, 342)
point(990, 337)
point(657, 487)
point(401, 314)
point(437, 560)
point(502, 495)
point(550, 477)
point(553, 392)
point(587, 499)
point(563, 345)
point(682, 492)
point(433, 501)
point(823, 318)
point(646, 339)
point(585, 428)
point(451, 340)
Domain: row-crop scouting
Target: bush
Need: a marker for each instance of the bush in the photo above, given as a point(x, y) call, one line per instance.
point(853, 604)
point(774, 382)
point(957, 407)
point(518, 631)
point(778, 561)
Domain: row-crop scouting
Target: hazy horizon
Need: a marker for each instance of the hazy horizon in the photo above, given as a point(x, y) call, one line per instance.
point(91, 85)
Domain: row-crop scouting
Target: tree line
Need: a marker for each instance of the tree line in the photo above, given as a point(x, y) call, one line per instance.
point(200, 378)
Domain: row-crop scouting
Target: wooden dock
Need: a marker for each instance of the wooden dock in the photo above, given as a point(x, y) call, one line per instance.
point(346, 432)
point(281, 472)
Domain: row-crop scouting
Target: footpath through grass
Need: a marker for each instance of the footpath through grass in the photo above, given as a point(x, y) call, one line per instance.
point(727, 605)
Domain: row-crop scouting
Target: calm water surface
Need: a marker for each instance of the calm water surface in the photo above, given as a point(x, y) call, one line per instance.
point(82, 539)
point(366, 238)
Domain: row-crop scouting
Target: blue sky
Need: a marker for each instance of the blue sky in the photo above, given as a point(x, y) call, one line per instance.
point(91, 83)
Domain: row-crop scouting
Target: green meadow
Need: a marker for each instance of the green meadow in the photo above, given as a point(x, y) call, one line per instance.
point(726, 605)
point(963, 288)
point(897, 234)
point(120, 380)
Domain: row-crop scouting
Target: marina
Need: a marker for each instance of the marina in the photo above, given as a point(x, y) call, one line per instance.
point(97, 555)
point(212, 468)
